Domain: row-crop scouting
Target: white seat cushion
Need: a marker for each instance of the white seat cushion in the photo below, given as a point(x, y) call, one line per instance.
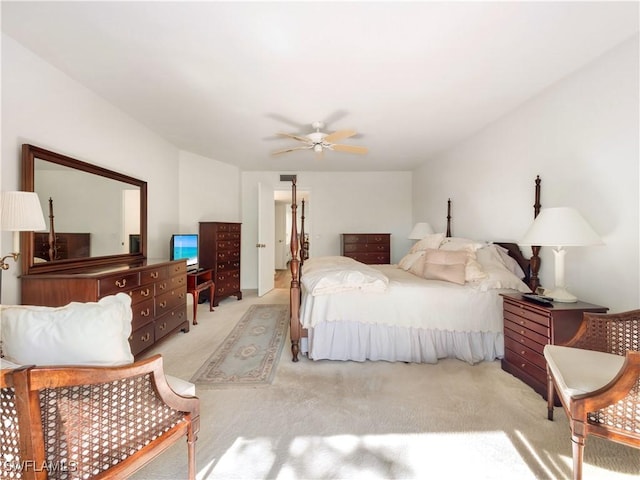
point(579, 371)
point(181, 387)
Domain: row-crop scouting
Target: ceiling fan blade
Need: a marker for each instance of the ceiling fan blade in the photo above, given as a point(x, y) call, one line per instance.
point(291, 149)
point(339, 135)
point(349, 148)
point(295, 137)
point(288, 121)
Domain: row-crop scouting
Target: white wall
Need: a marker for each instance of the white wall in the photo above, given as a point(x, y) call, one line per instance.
point(342, 202)
point(209, 192)
point(581, 136)
point(44, 107)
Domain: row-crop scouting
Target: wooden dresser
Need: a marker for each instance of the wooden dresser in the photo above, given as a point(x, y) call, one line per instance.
point(370, 248)
point(158, 291)
point(529, 326)
point(68, 245)
point(219, 250)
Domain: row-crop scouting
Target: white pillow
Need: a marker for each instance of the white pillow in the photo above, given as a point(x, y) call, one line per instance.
point(458, 243)
point(430, 241)
point(93, 333)
point(511, 263)
point(498, 275)
point(409, 259)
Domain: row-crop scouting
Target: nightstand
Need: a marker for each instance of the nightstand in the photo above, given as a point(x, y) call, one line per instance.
point(529, 326)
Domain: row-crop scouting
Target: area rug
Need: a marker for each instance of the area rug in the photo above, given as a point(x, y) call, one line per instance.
point(250, 353)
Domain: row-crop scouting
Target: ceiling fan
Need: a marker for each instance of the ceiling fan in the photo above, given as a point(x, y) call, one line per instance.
point(318, 141)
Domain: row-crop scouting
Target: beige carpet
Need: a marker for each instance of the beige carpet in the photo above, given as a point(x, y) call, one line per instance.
point(333, 420)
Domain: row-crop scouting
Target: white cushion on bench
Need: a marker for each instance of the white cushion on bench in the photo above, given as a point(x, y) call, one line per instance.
point(578, 371)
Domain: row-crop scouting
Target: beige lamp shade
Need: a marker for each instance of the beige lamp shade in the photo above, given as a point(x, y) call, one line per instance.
point(560, 227)
point(420, 230)
point(20, 212)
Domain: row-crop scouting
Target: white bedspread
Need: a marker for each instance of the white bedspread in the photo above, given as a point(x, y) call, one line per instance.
point(330, 275)
point(409, 301)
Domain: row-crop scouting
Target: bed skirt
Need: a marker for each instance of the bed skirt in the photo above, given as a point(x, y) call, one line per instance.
point(359, 342)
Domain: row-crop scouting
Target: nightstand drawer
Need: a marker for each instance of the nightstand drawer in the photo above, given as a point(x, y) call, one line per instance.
point(526, 313)
point(524, 335)
point(526, 323)
point(529, 354)
point(526, 365)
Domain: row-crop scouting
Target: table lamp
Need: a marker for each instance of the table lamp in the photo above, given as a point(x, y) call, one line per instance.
point(560, 227)
point(19, 212)
point(420, 230)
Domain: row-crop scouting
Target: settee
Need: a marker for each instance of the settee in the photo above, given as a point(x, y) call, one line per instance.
point(74, 405)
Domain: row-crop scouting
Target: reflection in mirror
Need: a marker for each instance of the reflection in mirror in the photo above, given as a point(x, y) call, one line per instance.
point(95, 216)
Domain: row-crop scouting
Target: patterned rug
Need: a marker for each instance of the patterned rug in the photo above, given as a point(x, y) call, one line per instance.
point(249, 355)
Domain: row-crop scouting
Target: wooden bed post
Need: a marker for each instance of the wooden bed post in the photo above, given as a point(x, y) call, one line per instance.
point(303, 251)
point(294, 292)
point(448, 218)
point(534, 282)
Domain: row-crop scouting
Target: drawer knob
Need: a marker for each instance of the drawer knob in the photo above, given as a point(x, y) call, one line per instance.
point(145, 292)
point(145, 313)
point(145, 337)
point(163, 304)
point(163, 326)
point(155, 274)
point(523, 365)
point(120, 284)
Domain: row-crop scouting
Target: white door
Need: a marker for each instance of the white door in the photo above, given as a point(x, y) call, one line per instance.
point(266, 236)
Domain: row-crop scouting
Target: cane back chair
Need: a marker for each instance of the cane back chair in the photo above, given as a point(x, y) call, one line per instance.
point(597, 378)
point(76, 422)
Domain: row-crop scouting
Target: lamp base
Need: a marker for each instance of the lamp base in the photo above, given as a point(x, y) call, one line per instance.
point(560, 294)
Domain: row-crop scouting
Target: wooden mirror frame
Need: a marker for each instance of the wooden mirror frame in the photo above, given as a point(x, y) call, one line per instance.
point(29, 154)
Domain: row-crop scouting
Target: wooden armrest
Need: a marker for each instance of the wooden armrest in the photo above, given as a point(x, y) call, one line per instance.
point(626, 382)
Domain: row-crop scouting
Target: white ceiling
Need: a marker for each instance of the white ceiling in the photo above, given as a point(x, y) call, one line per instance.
point(221, 78)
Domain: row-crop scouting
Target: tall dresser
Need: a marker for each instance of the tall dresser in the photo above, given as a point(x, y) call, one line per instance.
point(370, 248)
point(219, 250)
point(158, 292)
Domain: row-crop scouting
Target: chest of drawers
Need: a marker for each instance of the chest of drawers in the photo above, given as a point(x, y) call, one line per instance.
point(219, 250)
point(370, 248)
point(529, 326)
point(158, 292)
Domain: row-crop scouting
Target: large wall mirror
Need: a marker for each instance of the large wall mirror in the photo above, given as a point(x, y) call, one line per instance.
point(95, 216)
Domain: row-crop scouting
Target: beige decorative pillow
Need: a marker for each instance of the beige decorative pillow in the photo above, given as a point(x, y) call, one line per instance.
point(430, 241)
point(418, 265)
point(445, 265)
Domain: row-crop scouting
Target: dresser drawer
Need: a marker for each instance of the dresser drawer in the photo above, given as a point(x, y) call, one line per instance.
point(142, 293)
point(169, 321)
point(371, 258)
point(122, 282)
point(142, 338)
point(170, 299)
point(143, 313)
point(365, 247)
point(365, 238)
point(152, 275)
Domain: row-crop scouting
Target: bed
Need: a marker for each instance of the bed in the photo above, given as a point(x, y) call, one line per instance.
point(441, 300)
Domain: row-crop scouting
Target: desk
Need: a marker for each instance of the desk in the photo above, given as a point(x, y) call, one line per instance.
point(196, 283)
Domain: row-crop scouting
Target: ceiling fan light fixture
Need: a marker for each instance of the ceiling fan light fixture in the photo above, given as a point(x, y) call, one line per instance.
point(317, 148)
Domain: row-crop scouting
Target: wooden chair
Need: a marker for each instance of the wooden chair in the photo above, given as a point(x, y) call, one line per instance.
point(91, 422)
point(597, 378)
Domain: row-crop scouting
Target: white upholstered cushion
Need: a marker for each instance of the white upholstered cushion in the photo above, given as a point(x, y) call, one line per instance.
point(181, 387)
point(579, 371)
point(92, 333)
